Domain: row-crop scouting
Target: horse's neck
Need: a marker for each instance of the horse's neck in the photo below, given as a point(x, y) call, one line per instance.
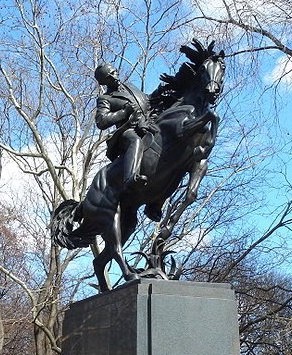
point(196, 99)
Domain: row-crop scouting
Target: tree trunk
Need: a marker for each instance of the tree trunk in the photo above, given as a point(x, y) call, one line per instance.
point(1, 333)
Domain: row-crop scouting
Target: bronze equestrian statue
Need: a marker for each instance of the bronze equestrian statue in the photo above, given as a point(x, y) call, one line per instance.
point(179, 142)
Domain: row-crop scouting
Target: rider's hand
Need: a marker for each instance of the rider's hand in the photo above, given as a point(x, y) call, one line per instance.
point(135, 118)
point(129, 109)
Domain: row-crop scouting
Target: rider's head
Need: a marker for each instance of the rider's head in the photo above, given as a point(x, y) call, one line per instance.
point(107, 75)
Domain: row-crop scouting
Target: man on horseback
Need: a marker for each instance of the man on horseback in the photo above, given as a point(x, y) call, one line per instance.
point(125, 107)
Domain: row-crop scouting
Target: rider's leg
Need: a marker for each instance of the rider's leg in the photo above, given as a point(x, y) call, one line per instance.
point(133, 153)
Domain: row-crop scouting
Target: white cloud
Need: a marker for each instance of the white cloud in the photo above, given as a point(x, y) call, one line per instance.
point(197, 238)
point(14, 183)
point(215, 8)
point(16, 186)
point(249, 11)
point(282, 72)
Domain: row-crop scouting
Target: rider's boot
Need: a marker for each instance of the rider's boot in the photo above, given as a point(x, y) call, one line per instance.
point(135, 180)
point(132, 163)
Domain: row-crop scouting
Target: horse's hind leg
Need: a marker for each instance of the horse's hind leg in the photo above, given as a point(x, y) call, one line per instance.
point(113, 250)
point(116, 235)
point(99, 264)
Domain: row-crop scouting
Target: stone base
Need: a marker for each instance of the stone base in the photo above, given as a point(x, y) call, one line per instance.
point(154, 317)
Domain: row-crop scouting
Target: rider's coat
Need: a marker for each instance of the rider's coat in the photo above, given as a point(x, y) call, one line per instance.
point(111, 111)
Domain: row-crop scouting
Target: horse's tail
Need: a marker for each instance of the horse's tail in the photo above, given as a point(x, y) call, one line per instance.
point(62, 225)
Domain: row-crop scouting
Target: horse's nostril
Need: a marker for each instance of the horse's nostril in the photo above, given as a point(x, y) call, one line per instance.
point(213, 88)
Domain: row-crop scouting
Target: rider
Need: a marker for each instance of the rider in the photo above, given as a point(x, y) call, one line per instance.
point(126, 107)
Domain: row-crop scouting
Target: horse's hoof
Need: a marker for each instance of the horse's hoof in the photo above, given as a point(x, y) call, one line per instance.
point(153, 212)
point(132, 277)
point(104, 288)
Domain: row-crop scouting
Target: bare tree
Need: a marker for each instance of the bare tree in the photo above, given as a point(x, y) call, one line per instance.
point(47, 96)
point(17, 327)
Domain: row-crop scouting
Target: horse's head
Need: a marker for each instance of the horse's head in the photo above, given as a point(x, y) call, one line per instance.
point(197, 82)
point(211, 76)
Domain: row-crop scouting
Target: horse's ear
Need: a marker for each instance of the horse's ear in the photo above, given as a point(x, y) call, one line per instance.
point(211, 47)
point(222, 53)
point(198, 45)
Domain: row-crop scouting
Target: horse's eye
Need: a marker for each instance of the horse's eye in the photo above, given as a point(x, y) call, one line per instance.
point(223, 66)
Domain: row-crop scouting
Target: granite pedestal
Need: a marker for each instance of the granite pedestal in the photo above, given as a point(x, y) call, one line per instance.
point(154, 317)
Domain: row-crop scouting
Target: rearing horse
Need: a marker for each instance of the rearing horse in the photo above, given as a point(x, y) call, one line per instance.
point(186, 132)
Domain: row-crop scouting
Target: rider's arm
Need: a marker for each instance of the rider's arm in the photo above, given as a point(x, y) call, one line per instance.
point(104, 117)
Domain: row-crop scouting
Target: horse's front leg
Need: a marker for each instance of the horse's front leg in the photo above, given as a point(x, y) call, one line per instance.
point(197, 173)
point(193, 124)
point(200, 165)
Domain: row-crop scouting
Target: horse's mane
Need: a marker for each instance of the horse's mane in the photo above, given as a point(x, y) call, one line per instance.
point(173, 88)
point(188, 70)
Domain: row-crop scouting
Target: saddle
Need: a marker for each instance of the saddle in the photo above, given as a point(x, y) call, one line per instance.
point(145, 129)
